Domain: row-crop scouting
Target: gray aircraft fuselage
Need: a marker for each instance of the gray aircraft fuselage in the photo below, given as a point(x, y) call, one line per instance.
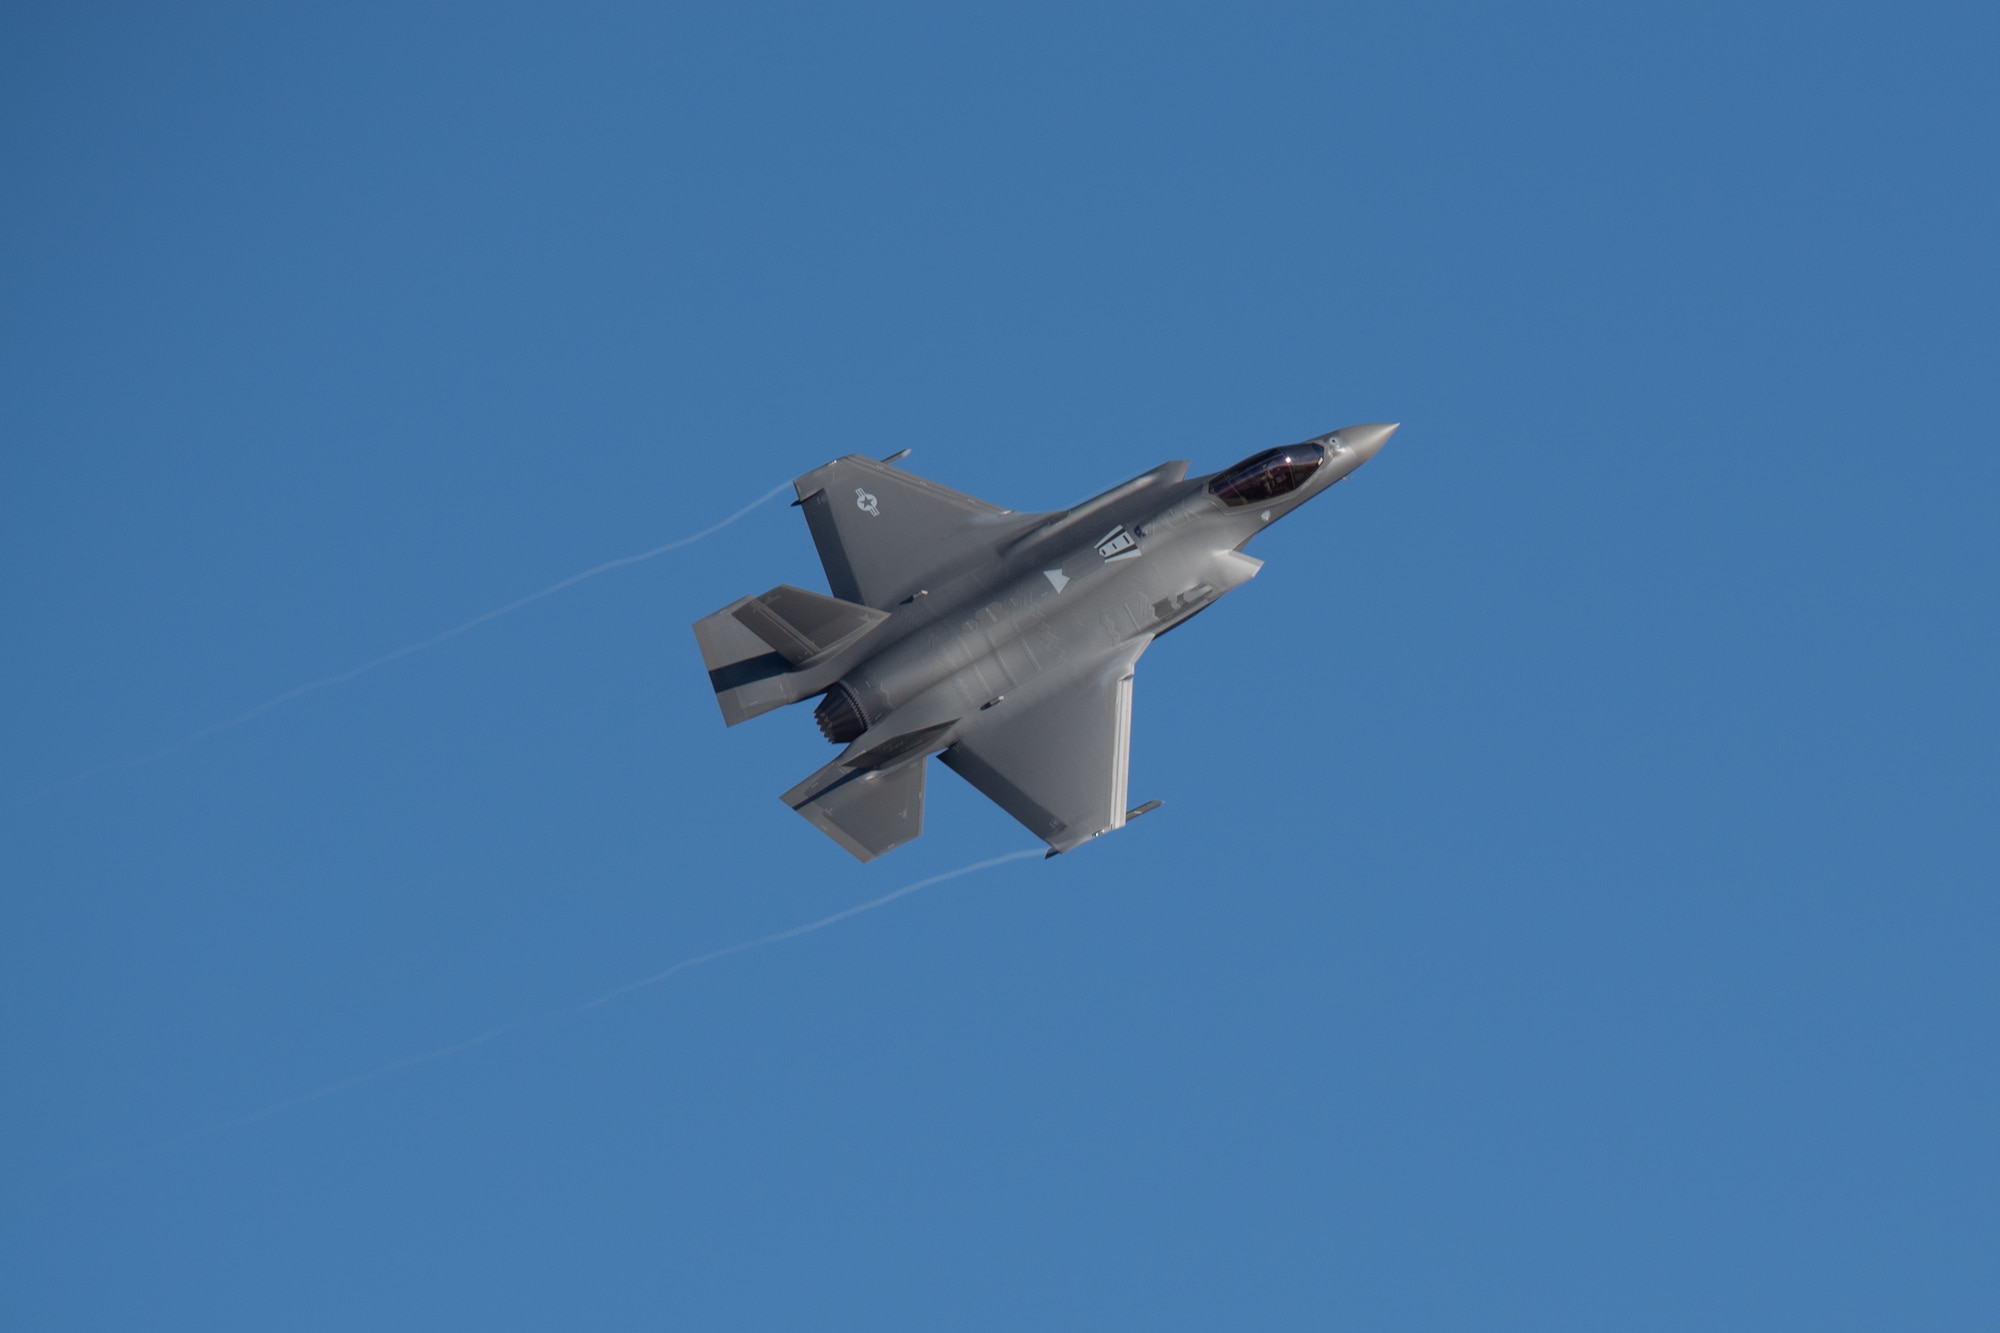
point(1037, 617)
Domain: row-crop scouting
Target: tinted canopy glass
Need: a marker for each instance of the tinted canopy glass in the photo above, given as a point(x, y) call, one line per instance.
point(1268, 475)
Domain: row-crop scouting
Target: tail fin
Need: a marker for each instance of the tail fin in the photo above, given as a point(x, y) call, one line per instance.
point(804, 627)
point(752, 646)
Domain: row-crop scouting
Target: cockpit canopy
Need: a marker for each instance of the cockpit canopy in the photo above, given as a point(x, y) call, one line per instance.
point(1268, 475)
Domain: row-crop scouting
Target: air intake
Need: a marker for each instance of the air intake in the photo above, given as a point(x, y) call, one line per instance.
point(839, 715)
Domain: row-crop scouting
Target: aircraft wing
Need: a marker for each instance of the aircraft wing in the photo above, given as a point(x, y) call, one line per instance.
point(884, 534)
point(1059, 764)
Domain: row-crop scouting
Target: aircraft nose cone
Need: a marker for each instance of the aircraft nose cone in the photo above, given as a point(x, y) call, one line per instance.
point(1366, 441)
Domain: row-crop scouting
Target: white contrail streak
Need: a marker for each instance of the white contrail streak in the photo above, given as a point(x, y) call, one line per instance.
point(432, 642)
point(571, 1011)
point(794, 932)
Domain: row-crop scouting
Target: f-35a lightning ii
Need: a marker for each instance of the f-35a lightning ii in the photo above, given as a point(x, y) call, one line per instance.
point(1002, 642)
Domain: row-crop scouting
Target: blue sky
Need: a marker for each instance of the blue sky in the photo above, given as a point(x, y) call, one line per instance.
point(1573, 905)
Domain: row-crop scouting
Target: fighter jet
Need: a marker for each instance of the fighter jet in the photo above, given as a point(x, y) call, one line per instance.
point(1002, 642)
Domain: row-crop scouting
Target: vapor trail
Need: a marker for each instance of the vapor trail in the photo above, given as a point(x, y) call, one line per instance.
point(571, 1011)
point(432, 642)
point(794, 932)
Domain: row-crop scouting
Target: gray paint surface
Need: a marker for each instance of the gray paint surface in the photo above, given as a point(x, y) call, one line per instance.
point(1003, 642)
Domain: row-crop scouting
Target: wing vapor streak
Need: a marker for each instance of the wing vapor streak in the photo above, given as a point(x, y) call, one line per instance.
point(559, 1015)
point(408, 650)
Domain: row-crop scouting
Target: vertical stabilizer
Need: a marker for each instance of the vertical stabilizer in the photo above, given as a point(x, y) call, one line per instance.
point(752, 646)
point(748, 676)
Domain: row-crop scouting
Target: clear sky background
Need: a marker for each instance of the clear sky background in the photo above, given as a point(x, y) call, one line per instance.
point(1574, 903)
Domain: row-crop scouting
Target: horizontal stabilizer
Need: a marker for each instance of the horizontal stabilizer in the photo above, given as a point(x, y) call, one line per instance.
point(871, 811)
